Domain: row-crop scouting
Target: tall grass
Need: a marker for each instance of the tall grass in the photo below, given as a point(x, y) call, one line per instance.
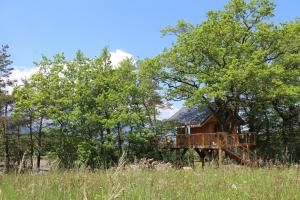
point(226, 182)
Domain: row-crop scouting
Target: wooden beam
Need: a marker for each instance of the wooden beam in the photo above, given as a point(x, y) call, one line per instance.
point(220, 159)
point(202, 155)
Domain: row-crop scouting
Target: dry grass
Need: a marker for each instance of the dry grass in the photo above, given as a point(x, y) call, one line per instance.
point(226, 182)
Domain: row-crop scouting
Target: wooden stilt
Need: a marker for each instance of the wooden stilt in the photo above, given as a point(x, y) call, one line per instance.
point(220, 156)
point(209, 155)
point(201, 154)
point(183, 152)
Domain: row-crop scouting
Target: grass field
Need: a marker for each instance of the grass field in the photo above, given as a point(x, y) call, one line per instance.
point(226, 182)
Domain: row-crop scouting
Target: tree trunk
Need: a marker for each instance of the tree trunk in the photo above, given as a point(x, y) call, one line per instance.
point(31, 142)
point(17, 147)
point(38, 160)
point(5, 141)
point(268, 133)
point(119, 139)
point(17, 154)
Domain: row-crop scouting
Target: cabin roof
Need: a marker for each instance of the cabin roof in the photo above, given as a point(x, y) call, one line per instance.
point(191, 116)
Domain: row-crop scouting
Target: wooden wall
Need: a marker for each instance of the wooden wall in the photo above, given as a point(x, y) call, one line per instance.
point(210, 126)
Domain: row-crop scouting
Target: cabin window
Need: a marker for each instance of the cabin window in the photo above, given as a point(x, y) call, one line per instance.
point(187, 130)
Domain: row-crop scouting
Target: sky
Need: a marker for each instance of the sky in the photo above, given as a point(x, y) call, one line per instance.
point(129, 28)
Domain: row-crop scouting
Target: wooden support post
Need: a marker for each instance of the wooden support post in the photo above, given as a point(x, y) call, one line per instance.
point(202, 163)
point(183, 152)
point(220, 156)
point(208, 155)
point(219, 150)
point(201, 154)
point(248, 152)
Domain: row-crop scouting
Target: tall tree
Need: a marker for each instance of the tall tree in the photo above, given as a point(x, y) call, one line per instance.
point(25, 108)
point(233, 61)
point(5, 71)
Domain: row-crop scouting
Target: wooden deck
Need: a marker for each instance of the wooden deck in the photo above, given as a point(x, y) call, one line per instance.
point(215, 140)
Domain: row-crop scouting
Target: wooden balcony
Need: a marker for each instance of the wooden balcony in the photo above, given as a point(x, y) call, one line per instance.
point(215, 140)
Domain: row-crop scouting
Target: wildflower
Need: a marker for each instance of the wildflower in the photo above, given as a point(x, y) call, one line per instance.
point(233, 186)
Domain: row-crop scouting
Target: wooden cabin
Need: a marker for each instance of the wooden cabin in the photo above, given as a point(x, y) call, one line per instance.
point(200, 129)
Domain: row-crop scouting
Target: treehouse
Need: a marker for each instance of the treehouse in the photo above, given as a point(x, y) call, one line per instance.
point(201, 130)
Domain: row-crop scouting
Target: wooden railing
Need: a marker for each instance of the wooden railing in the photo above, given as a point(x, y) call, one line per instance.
point(243, 139)
point(215, 140)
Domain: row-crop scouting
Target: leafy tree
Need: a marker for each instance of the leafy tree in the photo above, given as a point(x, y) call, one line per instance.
point(5, 100)
point(234, 60)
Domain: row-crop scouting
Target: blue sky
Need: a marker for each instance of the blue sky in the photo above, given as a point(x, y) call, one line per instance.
point(35, 27)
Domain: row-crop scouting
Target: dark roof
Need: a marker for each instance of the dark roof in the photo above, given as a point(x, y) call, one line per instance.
point(191, 116)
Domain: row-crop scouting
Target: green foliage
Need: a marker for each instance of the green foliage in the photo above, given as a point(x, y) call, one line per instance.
point(91, 105)
point(84, 151)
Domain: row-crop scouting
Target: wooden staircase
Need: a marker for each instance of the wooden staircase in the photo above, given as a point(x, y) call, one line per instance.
point(241, 154)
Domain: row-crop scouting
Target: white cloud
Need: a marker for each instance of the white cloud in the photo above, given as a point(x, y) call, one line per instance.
point(118, 56)
point(19, 74)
